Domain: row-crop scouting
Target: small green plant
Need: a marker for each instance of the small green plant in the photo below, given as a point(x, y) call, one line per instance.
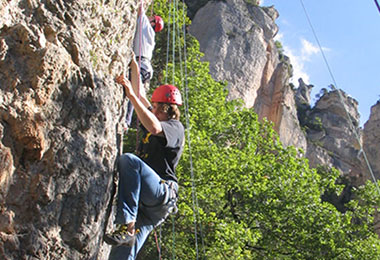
point(94, 58)
point(231, 35)
point(317, 123)
point(252, 2)
point(279, 47)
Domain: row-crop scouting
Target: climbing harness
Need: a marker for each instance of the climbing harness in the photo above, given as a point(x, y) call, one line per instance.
point(158, 213)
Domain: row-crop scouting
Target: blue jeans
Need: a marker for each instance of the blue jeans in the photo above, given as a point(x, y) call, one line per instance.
point(138, 184)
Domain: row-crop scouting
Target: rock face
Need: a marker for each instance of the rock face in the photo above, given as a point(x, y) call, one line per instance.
point(333, 134)
point(238, 43)
point(61, 114)
point(60, 123)
point(235, 44)
point(371, 140)
point(237, 39)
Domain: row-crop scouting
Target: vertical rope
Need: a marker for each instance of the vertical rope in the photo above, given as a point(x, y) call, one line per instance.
point(341, 98)
point(377, 5)
point(193, 189)
point(173, 232)
point(188, 135)
point(174, 35)
point(139, 76)
point(173, 80)
point(167, 47)
point(152, 9)
point(157, 244)
point(172, 12)
point(159, 239)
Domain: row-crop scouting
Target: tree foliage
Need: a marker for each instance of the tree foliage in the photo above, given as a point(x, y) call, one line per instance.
point(242, 194)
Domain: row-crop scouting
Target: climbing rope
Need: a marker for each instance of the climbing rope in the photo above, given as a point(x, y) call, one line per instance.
point(158, 245)
point(167, 47)
point(173, 35)
point(341, 97)
point(139, 76)
point(171, 17)
point(152, 9)
point(377, 5)
point(172, 14)
point(171, 39)
point(188, 127)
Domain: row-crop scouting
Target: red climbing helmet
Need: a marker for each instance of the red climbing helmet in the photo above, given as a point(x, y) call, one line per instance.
point(158, 23)
point(167, 94)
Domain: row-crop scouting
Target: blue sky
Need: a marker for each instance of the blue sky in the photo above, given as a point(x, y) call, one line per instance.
point(349, 33)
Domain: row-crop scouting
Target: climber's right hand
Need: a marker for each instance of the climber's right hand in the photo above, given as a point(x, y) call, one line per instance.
point(126, 84)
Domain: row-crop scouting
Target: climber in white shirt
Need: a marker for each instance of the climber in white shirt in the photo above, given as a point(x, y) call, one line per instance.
point(143, 46)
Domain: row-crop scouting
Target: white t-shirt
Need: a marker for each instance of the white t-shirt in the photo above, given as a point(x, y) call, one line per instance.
point(147, 35)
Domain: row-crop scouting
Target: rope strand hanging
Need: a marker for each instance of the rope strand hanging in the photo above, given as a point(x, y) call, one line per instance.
point(377, 5)
point(139, 77)
point(188, 127)
point(173, 82)
point(172, 38)
point(176, 38)
point(167, 47)
point(171, 17)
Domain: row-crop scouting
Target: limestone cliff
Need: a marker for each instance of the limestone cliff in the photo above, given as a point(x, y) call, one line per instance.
point(332, 130)
point(238, 43)
point(61, 112)
point(371, 140)
point(237, 39)
point(60, 123)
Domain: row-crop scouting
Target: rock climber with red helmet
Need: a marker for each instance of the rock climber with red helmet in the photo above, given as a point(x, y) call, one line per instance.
point(147, 189)
point(143, 46)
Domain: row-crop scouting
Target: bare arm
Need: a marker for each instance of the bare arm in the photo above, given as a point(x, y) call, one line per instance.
point(146, 117)
point(137, 84)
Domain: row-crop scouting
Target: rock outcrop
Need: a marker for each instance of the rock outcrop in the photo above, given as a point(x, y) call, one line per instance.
point(371, 141)
point(237, 39)
point(60, 123)
point(61, 114)
point(333, 134)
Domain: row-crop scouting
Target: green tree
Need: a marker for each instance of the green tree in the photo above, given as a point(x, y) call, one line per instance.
point(255, 199)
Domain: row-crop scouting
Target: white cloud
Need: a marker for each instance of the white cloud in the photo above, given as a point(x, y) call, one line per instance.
point(298, 66)
point(308, 50)
point(279, 36)
point(300, 57)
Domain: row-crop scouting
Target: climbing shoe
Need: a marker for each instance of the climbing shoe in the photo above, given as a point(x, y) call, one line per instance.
point(120, 237)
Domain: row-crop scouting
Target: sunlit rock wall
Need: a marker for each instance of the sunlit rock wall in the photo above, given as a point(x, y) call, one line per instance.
point(237, 38)
point(61, 119)
point(371, 141)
